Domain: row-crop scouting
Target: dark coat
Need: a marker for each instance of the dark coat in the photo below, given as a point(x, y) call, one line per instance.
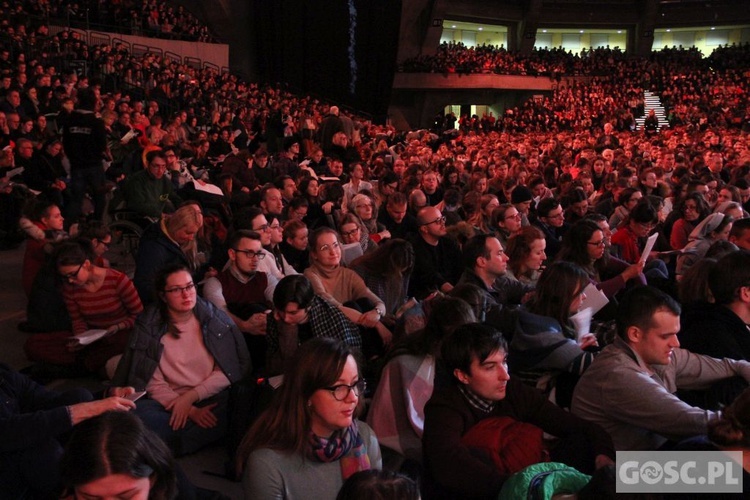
point(155, 252)
point(143, 352)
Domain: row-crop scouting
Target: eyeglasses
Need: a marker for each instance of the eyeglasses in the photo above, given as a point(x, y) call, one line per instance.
point(517, 215)
point(341, 391)
point(260, 255)
point(74, 275)
point(264, 228)
point(556, 216)
point(599, 243)
point(440, 220)
point(690, 207)
point(180, 289)
point(105, 244)
point(350, 233)
point(275, 227)
point(333, 246)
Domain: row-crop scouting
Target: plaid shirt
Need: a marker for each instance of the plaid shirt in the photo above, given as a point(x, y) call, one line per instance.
point(326, 320)
point(481, 404)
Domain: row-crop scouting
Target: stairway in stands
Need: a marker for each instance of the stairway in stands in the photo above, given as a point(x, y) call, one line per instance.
point(652, 102)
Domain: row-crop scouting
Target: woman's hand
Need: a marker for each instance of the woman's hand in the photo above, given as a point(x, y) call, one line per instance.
point(588, 340)
point(327, 207)
point(180, 408)
point(204, 417)
point(369, 319)
point(633, 271)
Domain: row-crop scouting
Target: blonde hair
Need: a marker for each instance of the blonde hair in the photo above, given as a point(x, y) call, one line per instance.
point(188, 215)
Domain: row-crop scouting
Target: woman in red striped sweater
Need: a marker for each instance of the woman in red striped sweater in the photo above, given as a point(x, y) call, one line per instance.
point(96, 298)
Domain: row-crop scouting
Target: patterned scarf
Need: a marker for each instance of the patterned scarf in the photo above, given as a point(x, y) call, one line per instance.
point(344, 445)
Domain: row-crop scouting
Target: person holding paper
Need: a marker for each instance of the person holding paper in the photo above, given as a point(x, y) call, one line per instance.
point(96, 298)
point(641, 220)
point(585, 245)
point(545, 351)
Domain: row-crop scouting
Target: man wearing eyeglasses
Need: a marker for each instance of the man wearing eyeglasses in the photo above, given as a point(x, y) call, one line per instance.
point(149, 192)
point(551, 220)
point(438, 262)
point(243, 292)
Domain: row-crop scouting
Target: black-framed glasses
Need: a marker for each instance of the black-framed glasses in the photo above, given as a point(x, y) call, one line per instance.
point(599, 243)
point(440, 220)
point(350, 233)
point(73, 275)
point(179, 289)
point(264, 228)
point(260, 255)
point(341, 391)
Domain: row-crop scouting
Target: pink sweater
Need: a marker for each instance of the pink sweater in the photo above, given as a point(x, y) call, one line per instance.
point(186, 364)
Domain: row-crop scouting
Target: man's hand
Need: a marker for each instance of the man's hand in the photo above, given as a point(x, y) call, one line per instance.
point(83, 411)
point(256, 324)
point(121, 392)
point(204, 417)
point(180, 408)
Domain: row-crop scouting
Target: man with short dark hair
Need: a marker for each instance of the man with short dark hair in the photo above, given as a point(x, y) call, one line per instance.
point(740, 233)
point(395, 216)
point(243, 292)
point(630, 387)
point(727, 317)
point(551, 220)
point(438, 259)
point(149, 192)
point(300, 315)
point(482, 391)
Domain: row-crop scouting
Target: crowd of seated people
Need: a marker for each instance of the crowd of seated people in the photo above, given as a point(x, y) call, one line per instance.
point(432, 277)
point(134, 17)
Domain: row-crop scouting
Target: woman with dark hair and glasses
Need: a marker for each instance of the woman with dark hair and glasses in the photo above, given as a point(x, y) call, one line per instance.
point(185, 353)
point(630, 238)
point(585, 245)
point(308, 441)
point(506, 221)
point(693, 209)
point(97, 298)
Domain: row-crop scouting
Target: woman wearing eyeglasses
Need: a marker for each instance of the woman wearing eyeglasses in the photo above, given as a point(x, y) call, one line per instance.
point(343, 287)
point(96, 298)
point(585, 245)
point(352, 230)
point(308, 442)
point(505, 221)
point(185, 353)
